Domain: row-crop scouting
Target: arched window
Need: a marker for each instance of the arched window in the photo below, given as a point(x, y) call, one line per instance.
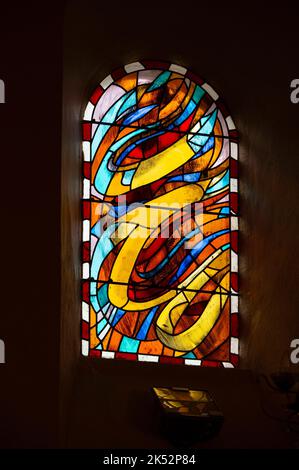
point(160, 219)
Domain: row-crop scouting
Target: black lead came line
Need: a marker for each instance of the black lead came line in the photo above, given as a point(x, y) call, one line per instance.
point(163, 129)
point(178, 290)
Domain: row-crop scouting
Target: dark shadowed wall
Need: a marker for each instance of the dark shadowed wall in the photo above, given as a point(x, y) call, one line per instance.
point(30, 149)
point(249, 58)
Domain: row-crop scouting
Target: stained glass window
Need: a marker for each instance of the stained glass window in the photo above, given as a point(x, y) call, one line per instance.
point(160, 219)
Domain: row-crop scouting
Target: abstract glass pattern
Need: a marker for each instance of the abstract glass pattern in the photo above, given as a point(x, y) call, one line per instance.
point(160, 219)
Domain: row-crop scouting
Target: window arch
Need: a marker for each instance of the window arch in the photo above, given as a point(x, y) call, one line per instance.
point(160, 219)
